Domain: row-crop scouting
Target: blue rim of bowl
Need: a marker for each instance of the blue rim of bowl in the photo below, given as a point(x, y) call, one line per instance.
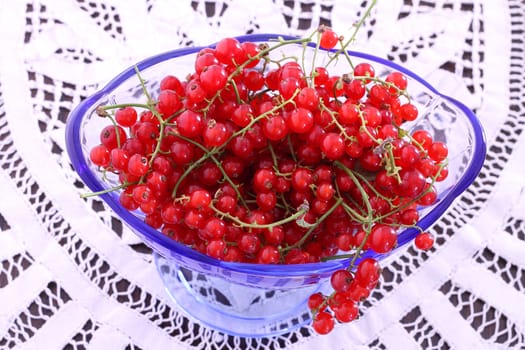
point(74, 149)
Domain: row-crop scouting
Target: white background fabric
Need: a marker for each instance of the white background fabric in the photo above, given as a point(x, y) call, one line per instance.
point(73, 277)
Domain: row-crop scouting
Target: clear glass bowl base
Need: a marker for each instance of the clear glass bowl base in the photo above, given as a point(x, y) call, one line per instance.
point(235, 309)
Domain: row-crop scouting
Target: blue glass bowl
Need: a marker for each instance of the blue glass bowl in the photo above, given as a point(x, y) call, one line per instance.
point(253, 299)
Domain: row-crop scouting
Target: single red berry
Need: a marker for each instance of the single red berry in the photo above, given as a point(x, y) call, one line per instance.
point(214, 228)
point(249, 243)
point(340, 280)
point(138, 165)
point(302, 178)
point(146, 132)
point(170, 82)
point(408, 112)
point(266, 200)
point(344, 241)
point(349, 113)
point(288, 87)
point(254, 80)
point(126, 116)
point(412, 183)
point(204, 60)
point(321, 76)
point(182, 152)
point(323, 322)
point(215, 135)
point(264, 180)
point(301, 121)
point(127, 201)
point(112, 136)
point(213, 78)
point(142, 194)
point(325, 191)
point(190, 124)
point(242, 115)
point(199, 199)
point(168, 103)
point(229, 51)
point(100, 155)
point(317, 302)
point(119, 159)
point(308, 98)
point(194, 92)
point(382, 239)
point(409, 156)
point(251, 50)
point(216, 248)
point(346, 311)
point(333, 146)
point(268, 255)
point(423, 138)
point(438, 151)
point(398, 80)
point(328, 39)
point(194, 219)
point(368, 272)
point(429, 197)
point(355, 89)
point(424, 241)
point(275, 235)
point(275, 128)
point(172, 213)
point(409, 217)
point(364, 70)
point(359, 292)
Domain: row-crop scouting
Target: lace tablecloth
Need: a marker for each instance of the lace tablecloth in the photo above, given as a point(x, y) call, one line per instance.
point(73, 277)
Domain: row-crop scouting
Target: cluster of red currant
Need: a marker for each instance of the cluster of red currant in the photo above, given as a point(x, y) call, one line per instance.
point(256, 160)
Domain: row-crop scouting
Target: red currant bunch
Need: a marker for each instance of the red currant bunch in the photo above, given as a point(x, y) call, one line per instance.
point(252, 159)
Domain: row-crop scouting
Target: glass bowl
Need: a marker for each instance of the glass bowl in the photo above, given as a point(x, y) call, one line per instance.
point(255, 299)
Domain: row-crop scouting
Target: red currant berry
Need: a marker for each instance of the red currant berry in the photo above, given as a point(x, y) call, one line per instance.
point(216, 248)
point(368, 272)
point(398, 80)
point(438, 151)
point(126, 116)
point(346, 311)
point(328, 39)
point(213, 78)
point(424, 241)
point(341, 280)
point(112, 136)
point(189, 124)
point(332, 145)
point(100, 155)
point(364, 70)
point(382, 239)
point(323, 322)
point(138, 165)
point(301, 121)
point(317, 302)
point(168, 103)
point(199, 199)
point(268, 255)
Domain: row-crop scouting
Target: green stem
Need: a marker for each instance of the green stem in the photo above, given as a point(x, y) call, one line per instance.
point(123, 105)
point(241, 223)
point(314, 226)
point(362, 191)
point(143, 85)
point(107, 190)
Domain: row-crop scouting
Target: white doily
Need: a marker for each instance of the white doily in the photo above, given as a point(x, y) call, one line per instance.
point(73, 277)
